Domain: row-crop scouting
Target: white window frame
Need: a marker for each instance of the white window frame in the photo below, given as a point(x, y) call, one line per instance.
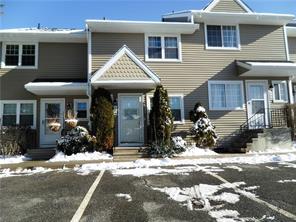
point(222, 47)
point(19, 66)
point(148, 97)
point(18, 109)
point(163, 59)
point(226, 83)
point(286, 91)
point(75, 101)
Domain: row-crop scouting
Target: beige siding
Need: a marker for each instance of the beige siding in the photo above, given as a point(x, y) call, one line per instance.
point(56, 60)
point(292, 48)
point(190, 76)
point(228, 6)
point(124, 68)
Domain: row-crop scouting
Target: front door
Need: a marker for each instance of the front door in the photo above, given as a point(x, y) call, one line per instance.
point(51, 116)
point(130, 116)
point(257, 104)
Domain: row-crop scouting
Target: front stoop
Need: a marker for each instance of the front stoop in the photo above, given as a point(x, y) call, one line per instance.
point(41, 153)
point(128, 153)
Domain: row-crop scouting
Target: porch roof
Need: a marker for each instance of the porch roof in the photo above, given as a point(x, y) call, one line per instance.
point(266, 68)
point(50, 87)
point(125, 71)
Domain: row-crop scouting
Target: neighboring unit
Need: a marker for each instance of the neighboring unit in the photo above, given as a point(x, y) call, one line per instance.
point(238, 63)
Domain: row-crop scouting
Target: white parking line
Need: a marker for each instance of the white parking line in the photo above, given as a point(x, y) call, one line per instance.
point(257, 200)
point(87, 198)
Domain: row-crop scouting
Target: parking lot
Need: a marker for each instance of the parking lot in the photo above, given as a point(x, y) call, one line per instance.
point(232, 192)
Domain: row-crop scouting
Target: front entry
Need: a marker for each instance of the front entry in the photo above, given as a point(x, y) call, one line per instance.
point(130, 120)
point(51, 111)
point(257, 103)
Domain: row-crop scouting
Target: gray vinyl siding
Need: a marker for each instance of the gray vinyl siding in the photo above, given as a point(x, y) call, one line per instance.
point(56, 60)
point(292, 48)
point(228, 6)
point(190, 77)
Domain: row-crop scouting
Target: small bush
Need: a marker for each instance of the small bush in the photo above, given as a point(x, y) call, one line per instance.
point(15, 140)
point(102, 119)
point(203, 130)
point(76, 140)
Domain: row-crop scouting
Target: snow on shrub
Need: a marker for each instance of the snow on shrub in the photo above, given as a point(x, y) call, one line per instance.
point(180, 145)
point(203, 130)
point(77, 140)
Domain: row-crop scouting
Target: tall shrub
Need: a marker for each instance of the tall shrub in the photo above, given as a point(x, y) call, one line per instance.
point(203, 130)
point(102, 119)
point(161, 118)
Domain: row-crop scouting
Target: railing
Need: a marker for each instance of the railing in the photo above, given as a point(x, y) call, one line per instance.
point(266, 118)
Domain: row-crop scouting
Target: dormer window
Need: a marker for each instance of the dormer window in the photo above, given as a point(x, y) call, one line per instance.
point(163, 48)
point(222, 37)
point(19, 55)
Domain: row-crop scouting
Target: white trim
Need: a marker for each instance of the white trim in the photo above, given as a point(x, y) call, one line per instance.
point(225, 82)
point(89, 68)
point(141, 143)
point(286, 43)
point(149, 96)
point(75, 101)
point(291, 31)
point(215, 2)
point(19, 66)
point(273, 82)
point(163, 59)
point(290, 88)
point(41, 114)
point(122, 51)
point(18, 102)
point(222, 38)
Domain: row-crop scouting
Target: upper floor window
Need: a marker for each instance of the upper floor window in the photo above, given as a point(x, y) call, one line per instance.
point(280, 92)
point(21, 113)
point(222, 37)
point(226, 95)
point(19, 55)
point(159, 48)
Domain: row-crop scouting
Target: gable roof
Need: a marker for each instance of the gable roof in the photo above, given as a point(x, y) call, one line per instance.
point(240, 3)
point(125, 66)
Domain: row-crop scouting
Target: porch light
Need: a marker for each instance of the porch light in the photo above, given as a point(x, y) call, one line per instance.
point(271, 86)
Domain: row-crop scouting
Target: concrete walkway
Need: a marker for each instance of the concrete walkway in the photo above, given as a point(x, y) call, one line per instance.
point(71, 164)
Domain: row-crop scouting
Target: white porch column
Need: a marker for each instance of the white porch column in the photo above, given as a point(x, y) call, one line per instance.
point(290, 88)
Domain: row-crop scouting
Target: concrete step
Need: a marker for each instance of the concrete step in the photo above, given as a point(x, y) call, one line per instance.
point(41, 154)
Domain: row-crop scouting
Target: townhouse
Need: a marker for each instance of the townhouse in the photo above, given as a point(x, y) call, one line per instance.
point(236, 62)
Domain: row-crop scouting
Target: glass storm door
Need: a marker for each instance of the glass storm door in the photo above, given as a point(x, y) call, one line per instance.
point(257, 104)
point(130, 120)
point(51, 121)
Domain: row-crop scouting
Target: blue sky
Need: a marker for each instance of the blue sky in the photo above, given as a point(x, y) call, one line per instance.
point(72, 13)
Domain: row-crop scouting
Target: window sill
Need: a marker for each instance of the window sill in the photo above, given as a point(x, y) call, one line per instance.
point(279, 101)
point(163, 60)
point(19, 67)
point(223, 48)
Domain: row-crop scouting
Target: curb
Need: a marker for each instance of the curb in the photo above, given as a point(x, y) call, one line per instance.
point(72, 164)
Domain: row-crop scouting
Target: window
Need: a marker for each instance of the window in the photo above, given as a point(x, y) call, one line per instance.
point(21, 113)
point(218, 36)
point(19, 56)
point(163, 48)
point(225, 95)
point(81, 108)
point(176, 104)
point(280, 92)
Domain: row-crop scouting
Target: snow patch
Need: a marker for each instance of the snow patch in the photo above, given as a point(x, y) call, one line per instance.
point(221, 215)
point(12, 159)
point(287, 181)
point(234, 168)
point(61, 157)
point(195, 151)
point(127, 197)
point(23, 172)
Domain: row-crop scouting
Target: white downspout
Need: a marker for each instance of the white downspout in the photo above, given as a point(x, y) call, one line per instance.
point(89, 68)
point(290, 87)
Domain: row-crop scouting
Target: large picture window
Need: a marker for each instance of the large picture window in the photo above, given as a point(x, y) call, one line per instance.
point(225, 95)
point(21, 113)
point(222, 36)
point(163, 48)
point(19, 55)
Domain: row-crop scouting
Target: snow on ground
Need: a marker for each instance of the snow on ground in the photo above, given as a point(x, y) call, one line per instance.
point(12, 159)
point(127, 197)
point(195, 151)
point(287, 181)
point(275, 150)
point(61, 157)
point(209, 198)
point(234, 168)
